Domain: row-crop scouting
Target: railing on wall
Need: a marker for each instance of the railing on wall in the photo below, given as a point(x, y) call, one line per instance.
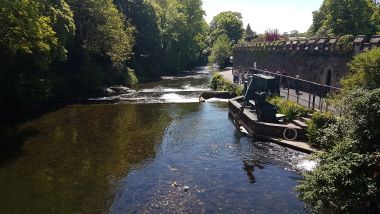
point(306, 93)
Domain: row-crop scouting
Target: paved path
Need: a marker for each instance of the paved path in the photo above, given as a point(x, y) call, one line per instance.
point(227, 74)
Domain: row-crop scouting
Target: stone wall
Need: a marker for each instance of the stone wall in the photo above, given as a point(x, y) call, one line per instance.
point(319, 60)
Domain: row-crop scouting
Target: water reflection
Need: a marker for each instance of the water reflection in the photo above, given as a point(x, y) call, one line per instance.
point(74, 162)
point(147, 158)
point(225, 171)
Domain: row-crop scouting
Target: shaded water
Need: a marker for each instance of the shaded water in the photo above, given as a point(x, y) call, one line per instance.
point(124, 158)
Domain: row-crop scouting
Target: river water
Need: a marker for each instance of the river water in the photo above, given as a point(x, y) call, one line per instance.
point(156, 151)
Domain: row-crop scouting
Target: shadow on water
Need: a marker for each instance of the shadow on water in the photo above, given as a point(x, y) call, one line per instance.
point(12, 141)
point(70, 160)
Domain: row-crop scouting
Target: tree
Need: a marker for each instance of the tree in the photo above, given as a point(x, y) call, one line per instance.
point(272, 35)
point(347, 179)
point(364, 71)
point(229, 23)
point(249, 34)
point(294, 33)
point(183, 30)
point(33, 35)
point(342, 17)
point(147, 48)
point(221, 51)
point(99, 52)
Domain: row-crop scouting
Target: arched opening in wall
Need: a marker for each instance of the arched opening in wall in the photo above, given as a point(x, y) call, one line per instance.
point(328, 77)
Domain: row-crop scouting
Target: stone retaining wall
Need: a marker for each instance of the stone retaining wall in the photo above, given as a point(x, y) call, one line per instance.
point(320, 60)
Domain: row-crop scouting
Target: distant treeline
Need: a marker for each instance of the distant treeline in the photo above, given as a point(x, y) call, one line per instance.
point(67, 49)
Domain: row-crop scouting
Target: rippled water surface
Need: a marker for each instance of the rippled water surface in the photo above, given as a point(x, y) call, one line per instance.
point(147, 158)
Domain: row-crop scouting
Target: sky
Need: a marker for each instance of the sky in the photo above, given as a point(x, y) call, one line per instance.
point(285, 15)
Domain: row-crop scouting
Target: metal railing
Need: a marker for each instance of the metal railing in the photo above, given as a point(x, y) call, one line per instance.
point(309, 94)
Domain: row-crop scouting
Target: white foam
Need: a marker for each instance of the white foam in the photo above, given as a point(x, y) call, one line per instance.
point(307, 165)
point(176, 98)
point(243, 130)
point(186, 88)
point(216, 100)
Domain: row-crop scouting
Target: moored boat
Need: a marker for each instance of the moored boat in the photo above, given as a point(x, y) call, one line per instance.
point(260, 118)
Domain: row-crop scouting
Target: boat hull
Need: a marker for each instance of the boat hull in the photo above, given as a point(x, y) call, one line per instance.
point(248, 119)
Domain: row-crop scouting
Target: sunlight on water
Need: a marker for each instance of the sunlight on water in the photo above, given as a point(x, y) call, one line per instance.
point(176, 98)
point(138, 156)
point(307, 165)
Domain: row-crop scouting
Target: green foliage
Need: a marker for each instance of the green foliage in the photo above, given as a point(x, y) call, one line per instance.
point(33, 35)
point(318, 122)
point(290, 109)
point(347, 178)
point(129, 78)
point(221, 51)
point(147, 49)
point(65, 49)
point(229, 23)
point(345, 44)
point(183, 30)
point(342, 17)
point(364, 71)
point(249, 32)
point(218, 83)
point(101, 29)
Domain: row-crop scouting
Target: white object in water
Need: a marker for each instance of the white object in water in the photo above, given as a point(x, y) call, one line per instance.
point(243, 130)
point(307, 165)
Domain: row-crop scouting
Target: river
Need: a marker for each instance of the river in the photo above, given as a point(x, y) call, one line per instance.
point(157, 150)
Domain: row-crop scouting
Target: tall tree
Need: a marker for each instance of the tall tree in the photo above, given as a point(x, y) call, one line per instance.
point(33, 34)
point(229, 23)
point(147, 48)
point(342, 17)
point(100, 50)
point(249, 31)
point(221, 51)
point(183, 29)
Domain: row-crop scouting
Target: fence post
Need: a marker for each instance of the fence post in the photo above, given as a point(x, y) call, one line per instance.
point(287, 81)
point(321, 99)
point(309, 96)
point(314, 97)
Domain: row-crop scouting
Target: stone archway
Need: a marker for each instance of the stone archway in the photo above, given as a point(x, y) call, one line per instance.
point(328, 76)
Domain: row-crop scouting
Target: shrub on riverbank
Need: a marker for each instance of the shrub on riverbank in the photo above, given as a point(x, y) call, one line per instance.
point(318, 121)
point(290, 109)
point(347, 179)
point(218, 83)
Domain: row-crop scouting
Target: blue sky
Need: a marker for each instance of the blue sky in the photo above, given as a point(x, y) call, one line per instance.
point(285, 15)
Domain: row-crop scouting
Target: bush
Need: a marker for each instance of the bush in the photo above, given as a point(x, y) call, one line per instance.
point(345, 44)
point(347, 179)
point(218, 83)
point(129, 77)
point(290, 109)
point(221, 51)
point(318, 121)
point(364, 71)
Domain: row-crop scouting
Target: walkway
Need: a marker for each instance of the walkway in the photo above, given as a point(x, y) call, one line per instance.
point(227, 74)
point(305, 99)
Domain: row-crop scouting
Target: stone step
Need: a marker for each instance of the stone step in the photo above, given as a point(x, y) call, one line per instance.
point(300, 124)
